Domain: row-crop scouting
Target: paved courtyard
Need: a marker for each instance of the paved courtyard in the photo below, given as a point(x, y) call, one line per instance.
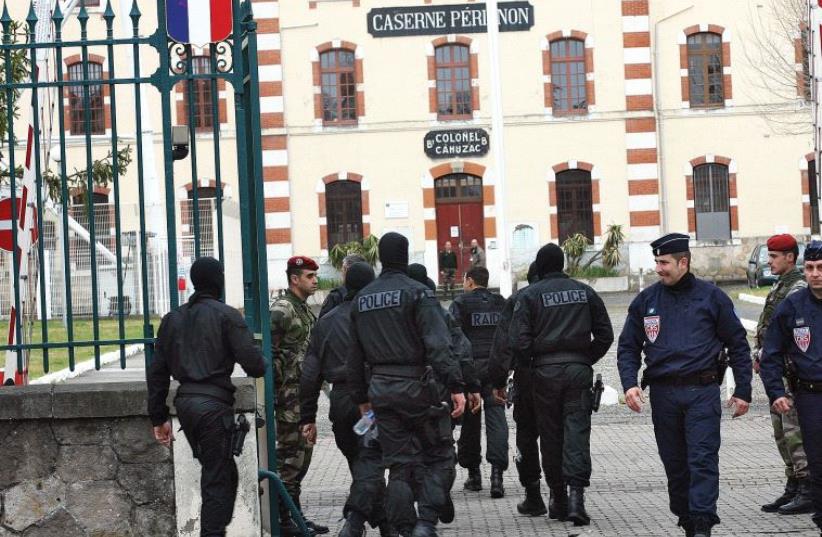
point(628, 493)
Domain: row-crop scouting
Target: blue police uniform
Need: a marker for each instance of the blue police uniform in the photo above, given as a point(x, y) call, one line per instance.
point(681, 330)
point(794, 336)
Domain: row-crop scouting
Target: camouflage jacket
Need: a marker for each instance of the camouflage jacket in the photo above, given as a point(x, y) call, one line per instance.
point(291, 324)
point(785, 285)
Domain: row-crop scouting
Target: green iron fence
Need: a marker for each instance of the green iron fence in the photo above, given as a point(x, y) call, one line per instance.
point(117, 260)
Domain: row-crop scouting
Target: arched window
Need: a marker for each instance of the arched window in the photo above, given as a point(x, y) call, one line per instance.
point(339, 87)
point(453, 81)
point(575, 210)
point(712, 202)
point(568, 76)
point(78, 111)
point(206, 208)
point(343, 210)
point(200, 96)
point(705, 77)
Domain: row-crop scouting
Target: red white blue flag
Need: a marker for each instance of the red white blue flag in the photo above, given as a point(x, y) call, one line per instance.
point(199, 22)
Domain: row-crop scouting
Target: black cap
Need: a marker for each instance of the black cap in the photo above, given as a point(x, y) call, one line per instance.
point(672, 243)
point(550, 258)
point(813, 251)
point(393, 250)
point(207, 276)
point(358, 276)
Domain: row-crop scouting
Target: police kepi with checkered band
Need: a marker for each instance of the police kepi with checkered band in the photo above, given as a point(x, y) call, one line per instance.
point(672, 243)
point(813, 252)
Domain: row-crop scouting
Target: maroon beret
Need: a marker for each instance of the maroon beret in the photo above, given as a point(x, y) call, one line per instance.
point(303, 262)
point(781, 243)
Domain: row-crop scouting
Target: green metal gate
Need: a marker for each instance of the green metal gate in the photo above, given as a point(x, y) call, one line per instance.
point(124, 262)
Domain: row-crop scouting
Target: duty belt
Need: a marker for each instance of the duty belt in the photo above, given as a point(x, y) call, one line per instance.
point(405, 371)
point(703, 378)
point(210, 390)
point(811, 386)
point(561, 357)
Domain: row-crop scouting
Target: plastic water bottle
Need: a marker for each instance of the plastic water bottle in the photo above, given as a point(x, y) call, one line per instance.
point(362, 426)
point(370, 438)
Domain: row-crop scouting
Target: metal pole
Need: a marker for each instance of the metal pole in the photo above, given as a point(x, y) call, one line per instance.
point(498, 146)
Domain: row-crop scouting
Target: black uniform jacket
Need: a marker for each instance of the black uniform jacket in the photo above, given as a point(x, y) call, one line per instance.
point(558, 316)
point(478, 314)
point(325, 358)
point(200, 343)
point(399, 321)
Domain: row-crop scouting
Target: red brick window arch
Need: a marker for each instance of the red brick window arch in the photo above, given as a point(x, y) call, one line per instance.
point(568, 73)
point(338, 80)
point(705, 67)
point(452, 75)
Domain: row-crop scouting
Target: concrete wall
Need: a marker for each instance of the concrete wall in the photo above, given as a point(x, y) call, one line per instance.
point(80, 461)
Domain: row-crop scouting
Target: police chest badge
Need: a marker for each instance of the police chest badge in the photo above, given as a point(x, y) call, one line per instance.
point(802, 337)
point(652, 327)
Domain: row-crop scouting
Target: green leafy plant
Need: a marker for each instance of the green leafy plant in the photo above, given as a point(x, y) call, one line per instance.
point(609, 255)
point(366, 248)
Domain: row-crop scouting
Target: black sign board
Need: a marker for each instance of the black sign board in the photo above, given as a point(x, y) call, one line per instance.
point(450, 19)
point(456, 143)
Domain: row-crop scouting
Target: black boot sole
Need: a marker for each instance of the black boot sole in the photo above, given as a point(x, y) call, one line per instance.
point(472, 488)
point(806, 511)
point(497, 493)
point(771, 508)
point(578, 520)
point(537, 512)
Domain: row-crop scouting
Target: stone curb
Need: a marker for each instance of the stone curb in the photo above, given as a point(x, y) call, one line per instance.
point(752, 299)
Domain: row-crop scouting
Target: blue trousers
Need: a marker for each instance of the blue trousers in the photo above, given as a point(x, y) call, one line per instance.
point(809, 408)
point(686, 425)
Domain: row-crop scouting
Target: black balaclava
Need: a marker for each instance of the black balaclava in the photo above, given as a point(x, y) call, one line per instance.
point(358, 276)
point(550, 258)
point(207, 276)
point(532, 273)
point(417, 272)
point(393, 249)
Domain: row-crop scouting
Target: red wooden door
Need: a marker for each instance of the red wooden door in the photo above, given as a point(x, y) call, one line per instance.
point(459, 223)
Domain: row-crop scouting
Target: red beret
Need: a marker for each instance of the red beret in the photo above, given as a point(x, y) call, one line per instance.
point(303, 262)
point(781, 243)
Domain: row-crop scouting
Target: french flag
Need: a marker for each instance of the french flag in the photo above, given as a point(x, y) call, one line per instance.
point(199, 22)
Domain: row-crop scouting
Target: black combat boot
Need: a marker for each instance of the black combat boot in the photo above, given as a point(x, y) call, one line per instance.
point(497, 490)
point(447, 514)
point(702, 530)
point(801, 503)
point(576, 507)
point(424, 529)
point(558, 503)
point(387, 530)
point(289, 528)
point(354, 525)
point(474, 481)
point(791, 490)
point(533, 504)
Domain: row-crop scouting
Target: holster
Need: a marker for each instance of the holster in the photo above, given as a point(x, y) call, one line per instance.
point(596, 393)
point(439, 423)
point(238, 432)
point(721, 366)
point(790, 375)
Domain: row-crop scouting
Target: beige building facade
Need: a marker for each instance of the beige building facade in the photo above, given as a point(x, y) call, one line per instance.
point(376, 117)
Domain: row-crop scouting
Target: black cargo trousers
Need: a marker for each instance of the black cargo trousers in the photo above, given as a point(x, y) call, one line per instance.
point(469, 447)
point(527, 435)
point(418, 448)
point(208, 424)
point(367, 492)
point(562, 402)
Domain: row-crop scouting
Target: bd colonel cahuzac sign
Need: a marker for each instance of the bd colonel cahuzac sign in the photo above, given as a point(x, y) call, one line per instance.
point(450, 19)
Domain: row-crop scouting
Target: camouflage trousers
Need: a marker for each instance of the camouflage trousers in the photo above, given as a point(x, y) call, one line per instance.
point(293, 457)
point(789, 442)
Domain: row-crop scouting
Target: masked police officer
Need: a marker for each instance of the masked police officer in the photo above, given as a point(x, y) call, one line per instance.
point(337, 295)
point(198, 345)
point(325, 361)
point(793, 348)
point(500, 363)
point(399, 331)
point(563, 326)
point(682, 325)
point(477, 313)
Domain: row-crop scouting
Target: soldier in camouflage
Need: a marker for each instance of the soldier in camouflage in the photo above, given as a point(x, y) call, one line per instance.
point(782, 255)
point(291, 324)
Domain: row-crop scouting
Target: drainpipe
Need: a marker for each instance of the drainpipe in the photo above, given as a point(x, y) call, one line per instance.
point(660, 159)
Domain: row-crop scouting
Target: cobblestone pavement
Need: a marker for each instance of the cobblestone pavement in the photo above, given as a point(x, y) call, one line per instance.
point(628, 493)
